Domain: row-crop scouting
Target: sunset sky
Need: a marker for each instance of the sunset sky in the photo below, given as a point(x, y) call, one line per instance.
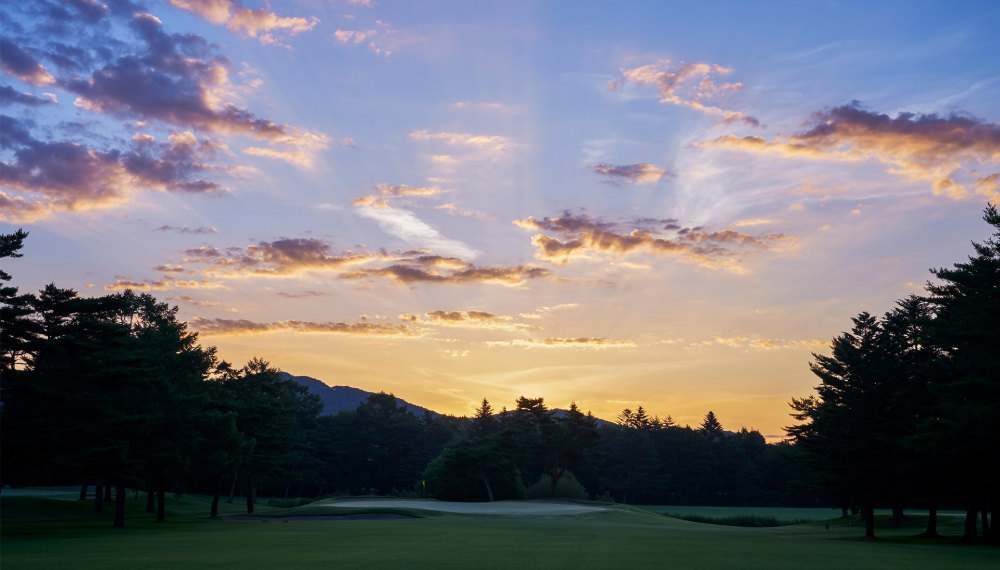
point(619, 204)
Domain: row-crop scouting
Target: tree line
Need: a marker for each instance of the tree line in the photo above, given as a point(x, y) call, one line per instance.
point(908, 406)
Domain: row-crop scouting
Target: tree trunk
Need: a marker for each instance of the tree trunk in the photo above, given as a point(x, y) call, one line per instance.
point(232, 489)
point(107, 492)
point(897, 514)
point(249, 499)
point(253, 490)
point(320, 494)
point(83, 489)
point(215, 498)
point(843, 512)
point(489, 490)
point(99, 494)
point(288, 488)
point(869, 514)
point(161, 503)
point(931, 531)
point(970, 520)
point(854, 511)
point(119, 506)
point(555, 476)
point(986, 521)
point(150, 498)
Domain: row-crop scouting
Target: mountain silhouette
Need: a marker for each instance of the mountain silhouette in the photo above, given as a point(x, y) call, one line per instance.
point(346, 398)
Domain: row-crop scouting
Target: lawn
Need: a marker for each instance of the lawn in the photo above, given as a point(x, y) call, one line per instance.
point(53, 531)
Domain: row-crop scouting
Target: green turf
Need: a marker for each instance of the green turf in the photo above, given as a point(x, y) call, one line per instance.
point(51, 531)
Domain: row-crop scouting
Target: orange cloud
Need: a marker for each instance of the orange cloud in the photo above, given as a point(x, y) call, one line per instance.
point(640, 173)
point(584, 237)
point(469, 319)
point(281, 257)
point(581, 342)
point(671, 80)
point(987, 186)
point(262, 24)
point(220, 327)
point(920, 147)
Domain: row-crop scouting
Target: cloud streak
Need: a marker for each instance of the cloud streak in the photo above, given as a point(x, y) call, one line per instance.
point(231, 327)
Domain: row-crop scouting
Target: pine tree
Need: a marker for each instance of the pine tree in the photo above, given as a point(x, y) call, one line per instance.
point(711, 428)
point(967, 428)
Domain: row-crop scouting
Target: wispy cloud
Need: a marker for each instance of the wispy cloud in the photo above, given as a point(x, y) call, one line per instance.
point(414, 231)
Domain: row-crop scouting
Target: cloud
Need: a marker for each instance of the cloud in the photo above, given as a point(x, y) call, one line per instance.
point(414, 231)
point(750, 222)
point(468, 319)
point(167, 283)
point(11, 96)
point(262, 24)
point(676, 87)
point(186, 230)
point(919, 147)
point(348, 143)
point(585, 237)
point(68, 176)
point(278, 258)
point(404, 190)
point(453, 210)
point(371, 201)
point(409, 274)
point(376, 201)
point(987, 186)
point(581, 342)
point(179, 80)
point(220, 327)
point(640, 173)
point(18, 62)
point(301, 295)
point(765, 343)
point(169, 269)
point(191, 301)
point(494, 146)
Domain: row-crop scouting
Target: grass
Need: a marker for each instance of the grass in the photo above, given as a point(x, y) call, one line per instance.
point(753, 521)
point(54, 531)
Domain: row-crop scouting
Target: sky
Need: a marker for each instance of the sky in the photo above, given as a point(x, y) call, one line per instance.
point(670, 205)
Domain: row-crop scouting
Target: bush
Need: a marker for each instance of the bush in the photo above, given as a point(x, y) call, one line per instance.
point(566, 488)
point(605, 498)
point(289, 503)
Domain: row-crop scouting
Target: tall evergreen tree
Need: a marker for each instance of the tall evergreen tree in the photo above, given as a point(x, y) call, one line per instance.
point(966, 430)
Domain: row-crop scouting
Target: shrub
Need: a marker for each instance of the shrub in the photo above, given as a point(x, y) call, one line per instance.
point(566, 488)
point(289, 503)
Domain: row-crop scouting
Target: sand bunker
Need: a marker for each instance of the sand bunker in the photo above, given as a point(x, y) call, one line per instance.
point(508, 508)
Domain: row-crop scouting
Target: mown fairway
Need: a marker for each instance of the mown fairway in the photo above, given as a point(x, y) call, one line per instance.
point(51, 532)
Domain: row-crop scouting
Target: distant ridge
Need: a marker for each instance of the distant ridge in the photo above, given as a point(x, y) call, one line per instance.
point(344, 398)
